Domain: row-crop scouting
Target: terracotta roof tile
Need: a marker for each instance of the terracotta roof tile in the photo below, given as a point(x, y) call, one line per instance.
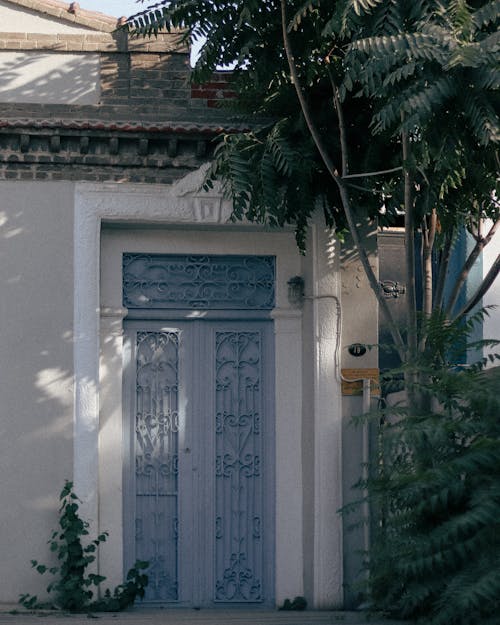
point(125, 126)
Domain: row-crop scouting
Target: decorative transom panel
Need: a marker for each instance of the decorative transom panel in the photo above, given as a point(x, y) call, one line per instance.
point(198, 281)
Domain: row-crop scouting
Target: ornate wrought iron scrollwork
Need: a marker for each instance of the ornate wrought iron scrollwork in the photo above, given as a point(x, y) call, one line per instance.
point(200, 282)
point(239, 480)
point(157, 460)
point(238, 583)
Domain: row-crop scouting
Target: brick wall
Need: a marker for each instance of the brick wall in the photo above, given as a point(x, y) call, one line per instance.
point(133, 71)
point(151, 124)
point(63, 42)
point(212, 93)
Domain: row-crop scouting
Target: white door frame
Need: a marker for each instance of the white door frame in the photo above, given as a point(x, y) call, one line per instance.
point(98, 330)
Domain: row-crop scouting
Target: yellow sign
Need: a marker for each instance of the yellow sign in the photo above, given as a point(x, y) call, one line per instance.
point(352, 381)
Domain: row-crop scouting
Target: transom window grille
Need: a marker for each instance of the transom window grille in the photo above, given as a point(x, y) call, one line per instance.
point(178, 281)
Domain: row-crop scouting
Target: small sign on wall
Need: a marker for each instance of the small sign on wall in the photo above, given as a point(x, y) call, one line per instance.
point(352, 381)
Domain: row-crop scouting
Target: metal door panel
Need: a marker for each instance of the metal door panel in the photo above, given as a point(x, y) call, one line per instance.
point(238, 481)
point(202, 476)
point(156, 459)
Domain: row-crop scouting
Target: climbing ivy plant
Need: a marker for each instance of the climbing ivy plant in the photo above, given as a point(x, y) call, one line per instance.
point(73, 588)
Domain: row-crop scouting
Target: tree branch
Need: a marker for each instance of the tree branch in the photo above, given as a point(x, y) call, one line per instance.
point(351, 185)
point(411, 305)
point(342, 130)
point(444, 262)
point(374, 173)
point(482, 290)
point(429, 238)
point(333, 171)
point(481, 242)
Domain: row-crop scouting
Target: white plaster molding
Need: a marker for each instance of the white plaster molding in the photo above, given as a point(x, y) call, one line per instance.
point(286, 313)
point(192, 183)
point(110, 556)
point(110, 311)
point(210, 209)
point(86, 354)
point(148, 204)
point(328, 553)
point(184, 202)
point(289, 470)
point(112, 322)
point(180, 204)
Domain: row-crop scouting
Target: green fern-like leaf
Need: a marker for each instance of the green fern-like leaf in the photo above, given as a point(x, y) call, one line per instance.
point(269, 180)
point(482, 117)
point(487, 14)
point(417, 102)
point(364, 6)
point(400, 74)
point(388, 18)
point(302, 12)
point(410, 45)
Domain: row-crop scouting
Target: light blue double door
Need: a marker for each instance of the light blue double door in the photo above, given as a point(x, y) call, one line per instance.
point(199, 459)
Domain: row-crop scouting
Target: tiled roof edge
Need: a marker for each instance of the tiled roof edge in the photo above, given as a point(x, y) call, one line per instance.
point(139, 126)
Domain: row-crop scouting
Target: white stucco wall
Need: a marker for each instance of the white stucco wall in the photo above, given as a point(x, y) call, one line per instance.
point(36, 373)
point(15, 19)
point(49, 78)
point(360, 316)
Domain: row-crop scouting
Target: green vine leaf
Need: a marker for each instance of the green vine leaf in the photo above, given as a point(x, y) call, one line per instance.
point(71, 585)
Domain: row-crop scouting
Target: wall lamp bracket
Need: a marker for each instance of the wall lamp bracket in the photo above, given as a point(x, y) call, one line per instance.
point(296, 291)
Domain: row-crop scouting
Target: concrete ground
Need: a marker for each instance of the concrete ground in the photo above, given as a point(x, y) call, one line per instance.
point(13, 615)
